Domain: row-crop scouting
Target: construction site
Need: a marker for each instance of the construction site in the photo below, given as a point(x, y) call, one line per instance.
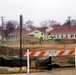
point(13, 49)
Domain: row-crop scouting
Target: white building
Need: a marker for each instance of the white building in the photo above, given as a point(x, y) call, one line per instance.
point(60, 32)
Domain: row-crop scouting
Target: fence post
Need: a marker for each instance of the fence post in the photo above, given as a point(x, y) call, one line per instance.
point(27, 60)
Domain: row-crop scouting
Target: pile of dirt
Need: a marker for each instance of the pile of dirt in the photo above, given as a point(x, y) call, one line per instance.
point(4, 50)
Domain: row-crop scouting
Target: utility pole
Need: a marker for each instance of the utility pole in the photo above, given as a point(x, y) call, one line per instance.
point(21, 22)
point(2, 18)
point(69, 21)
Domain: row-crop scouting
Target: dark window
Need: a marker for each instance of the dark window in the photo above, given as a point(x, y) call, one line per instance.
point(62, 36)
point(72, 36)
point(36, 32)
point(75, 36)
point(31, 35)
point(66, 36)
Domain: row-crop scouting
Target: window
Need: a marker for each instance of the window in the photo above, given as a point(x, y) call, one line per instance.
point(75, 36)
point(31, 35)
point(36, 32)
point(13, 37)
point(54, 36)
point(16, 37)
point(66, 36)
point(61, 36)
point(72, 36)
point(57, 36)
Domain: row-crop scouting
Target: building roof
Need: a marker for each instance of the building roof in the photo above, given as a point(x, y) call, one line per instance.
point(17, 32)
point(63, 29)
point(24, 32)
point(41, 29)
point(56, 30)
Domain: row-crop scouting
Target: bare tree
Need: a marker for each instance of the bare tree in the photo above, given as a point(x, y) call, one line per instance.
point(48, 23)
point(8, 28)
point(29, 24)
point(15, 23)
point(44, 24)
point(72, 22)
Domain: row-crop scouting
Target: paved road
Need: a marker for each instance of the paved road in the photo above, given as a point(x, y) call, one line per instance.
point(65, 72)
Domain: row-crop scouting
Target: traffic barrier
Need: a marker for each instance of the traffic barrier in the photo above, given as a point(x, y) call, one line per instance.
point(51, 53)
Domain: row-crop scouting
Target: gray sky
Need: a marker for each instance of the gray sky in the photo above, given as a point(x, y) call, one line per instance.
point(38, 10)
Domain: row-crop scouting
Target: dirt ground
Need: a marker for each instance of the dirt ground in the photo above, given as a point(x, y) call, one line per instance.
point(43, 47)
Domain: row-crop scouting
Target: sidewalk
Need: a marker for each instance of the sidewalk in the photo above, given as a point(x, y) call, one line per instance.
point(9, 70)
point(4, 70)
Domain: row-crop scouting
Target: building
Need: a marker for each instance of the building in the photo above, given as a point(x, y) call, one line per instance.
point(15, 35)
point(58, 32)
point(61, 32)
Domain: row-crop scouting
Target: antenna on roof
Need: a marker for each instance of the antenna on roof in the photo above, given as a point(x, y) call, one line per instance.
point(69, 22)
